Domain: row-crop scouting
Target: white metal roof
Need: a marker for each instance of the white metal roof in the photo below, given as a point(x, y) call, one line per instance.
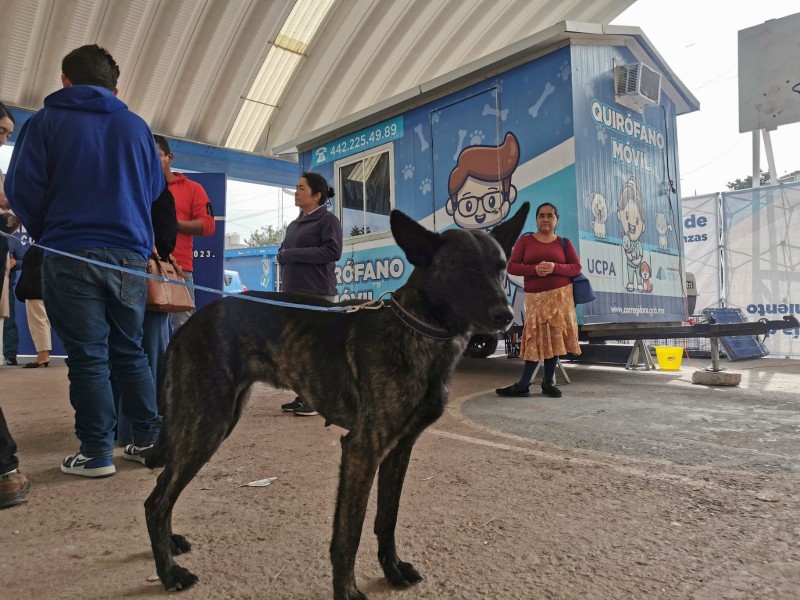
point(502, 60)
point(201, 70)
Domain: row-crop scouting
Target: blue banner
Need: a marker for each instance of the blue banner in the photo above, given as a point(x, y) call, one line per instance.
point(358, 142)
point(209, 252)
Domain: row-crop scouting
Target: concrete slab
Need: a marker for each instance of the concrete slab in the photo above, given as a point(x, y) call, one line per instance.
point(716, 378)
point(660, 415)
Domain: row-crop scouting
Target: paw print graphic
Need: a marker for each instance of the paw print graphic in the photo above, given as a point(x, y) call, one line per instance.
point(435, 117)
point(408, 172)
point(476, 137)
point(564, 72)
point(425, 186)
point(601, 135)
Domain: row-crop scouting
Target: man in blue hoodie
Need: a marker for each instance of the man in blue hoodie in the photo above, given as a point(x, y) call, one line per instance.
point(82, 177)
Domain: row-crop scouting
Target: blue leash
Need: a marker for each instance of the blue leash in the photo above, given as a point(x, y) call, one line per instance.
point(337, 309)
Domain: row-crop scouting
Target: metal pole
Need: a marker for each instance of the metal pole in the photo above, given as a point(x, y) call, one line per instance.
point(721, 241)
point(756, 159)
point(714, 368)
point(773, 172)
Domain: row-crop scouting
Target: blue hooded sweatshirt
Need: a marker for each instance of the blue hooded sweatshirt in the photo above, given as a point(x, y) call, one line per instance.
point(84, 173)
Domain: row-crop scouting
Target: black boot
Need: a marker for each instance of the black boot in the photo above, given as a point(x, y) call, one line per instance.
point(514, 390)
point(549, 389)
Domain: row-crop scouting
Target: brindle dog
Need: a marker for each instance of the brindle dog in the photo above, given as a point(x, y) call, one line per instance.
point(381, 374)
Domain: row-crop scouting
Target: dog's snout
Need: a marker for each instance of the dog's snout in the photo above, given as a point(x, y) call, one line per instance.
point(503, 318)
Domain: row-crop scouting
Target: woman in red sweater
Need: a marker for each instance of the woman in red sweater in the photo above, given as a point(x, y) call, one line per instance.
point(551, 325)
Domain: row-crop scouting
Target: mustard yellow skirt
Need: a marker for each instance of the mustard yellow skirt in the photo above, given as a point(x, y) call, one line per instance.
point(551, 325)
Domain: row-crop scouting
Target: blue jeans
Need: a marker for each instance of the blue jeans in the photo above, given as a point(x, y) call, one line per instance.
point(178, 319)
point(98, 314)
point(154, 342)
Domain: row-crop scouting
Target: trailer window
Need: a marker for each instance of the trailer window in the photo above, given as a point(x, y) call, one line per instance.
point(365, 189)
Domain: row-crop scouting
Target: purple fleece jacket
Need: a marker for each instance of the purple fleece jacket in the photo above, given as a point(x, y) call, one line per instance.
point(309, 252)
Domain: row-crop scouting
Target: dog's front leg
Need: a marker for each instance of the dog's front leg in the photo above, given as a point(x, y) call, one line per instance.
point(360, 458)
point(391, 476)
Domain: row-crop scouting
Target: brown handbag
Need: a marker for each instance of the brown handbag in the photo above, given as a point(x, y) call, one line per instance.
point(168, 294)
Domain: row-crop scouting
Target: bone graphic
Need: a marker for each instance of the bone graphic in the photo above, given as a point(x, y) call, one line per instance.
point(488, 110)
point(462, 133)
point(548, 89)
point(425, 145)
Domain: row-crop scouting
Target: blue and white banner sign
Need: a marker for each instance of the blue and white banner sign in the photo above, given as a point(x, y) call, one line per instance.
point(359, 141)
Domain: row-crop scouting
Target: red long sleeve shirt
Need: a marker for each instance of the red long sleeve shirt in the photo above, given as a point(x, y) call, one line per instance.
point(191, 202)
point(529, 252)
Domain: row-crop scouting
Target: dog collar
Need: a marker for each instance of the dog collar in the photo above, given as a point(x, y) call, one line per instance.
point(420, 327)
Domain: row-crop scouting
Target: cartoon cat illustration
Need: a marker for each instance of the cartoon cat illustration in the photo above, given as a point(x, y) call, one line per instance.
point(662, 227)
point(599, 206)
point(646, 272)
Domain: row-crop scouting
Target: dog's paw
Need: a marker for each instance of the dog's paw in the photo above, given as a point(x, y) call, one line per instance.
point(412, 576)
point(401, 574)
point(178, 544)
point(179, 579)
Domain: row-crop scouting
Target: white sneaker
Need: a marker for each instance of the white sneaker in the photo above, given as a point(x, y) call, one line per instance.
point(78, 464)
point(137, 453)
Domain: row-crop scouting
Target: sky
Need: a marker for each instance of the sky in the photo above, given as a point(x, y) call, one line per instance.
point(251, 206)
point(698, 40)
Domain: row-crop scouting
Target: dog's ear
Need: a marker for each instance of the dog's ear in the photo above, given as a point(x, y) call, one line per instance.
point(508, 231)
point(418, 243)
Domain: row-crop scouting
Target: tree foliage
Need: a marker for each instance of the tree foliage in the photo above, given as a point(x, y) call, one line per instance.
point(747, 182)
point(359, 231)
point(268, 235)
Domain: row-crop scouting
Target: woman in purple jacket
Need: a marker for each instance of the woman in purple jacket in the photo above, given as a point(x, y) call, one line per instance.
point(309, 252)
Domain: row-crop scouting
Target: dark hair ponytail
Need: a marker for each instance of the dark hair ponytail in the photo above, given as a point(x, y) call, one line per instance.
point(318, 185)
point(4, 112)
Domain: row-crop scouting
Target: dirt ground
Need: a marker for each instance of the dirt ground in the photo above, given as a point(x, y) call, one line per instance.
point(492, 507)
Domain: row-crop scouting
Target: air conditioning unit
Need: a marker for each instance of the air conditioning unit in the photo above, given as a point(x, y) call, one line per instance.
point(637, 86)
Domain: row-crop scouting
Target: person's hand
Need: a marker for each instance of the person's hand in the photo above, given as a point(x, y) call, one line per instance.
point(12, 262)
point(543, 269)
point(4, 201)
point(12, 222)
point(175, 264)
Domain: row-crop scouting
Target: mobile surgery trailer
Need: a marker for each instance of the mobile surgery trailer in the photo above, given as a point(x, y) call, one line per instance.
point(579, 115)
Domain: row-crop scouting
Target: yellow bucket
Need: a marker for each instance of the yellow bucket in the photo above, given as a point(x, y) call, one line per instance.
point(669, 357)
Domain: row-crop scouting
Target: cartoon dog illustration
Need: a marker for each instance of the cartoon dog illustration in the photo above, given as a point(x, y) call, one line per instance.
point(646, 272)
point(599, 207)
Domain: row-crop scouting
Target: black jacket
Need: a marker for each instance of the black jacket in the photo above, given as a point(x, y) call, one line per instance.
point(165, 223)
point(29, 286)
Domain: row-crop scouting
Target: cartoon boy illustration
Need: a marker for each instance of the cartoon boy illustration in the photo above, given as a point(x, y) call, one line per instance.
point(630, 212)
point(480, 187)
point(481, 195)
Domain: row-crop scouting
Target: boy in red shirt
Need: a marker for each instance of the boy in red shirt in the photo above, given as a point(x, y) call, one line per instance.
point(195, 217)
